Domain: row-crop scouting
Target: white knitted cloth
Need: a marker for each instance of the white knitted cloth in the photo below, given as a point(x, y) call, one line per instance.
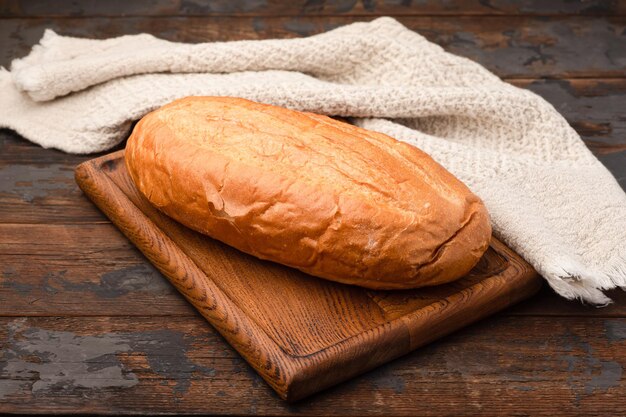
point(550, 199)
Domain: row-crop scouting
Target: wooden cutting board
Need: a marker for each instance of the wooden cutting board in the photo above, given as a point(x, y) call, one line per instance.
point(300, 333)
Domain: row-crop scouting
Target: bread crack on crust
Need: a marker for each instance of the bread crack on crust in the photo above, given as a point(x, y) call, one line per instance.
point(331, 199)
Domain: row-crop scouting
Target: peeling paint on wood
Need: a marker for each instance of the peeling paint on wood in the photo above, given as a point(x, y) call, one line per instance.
point(504, 365)
point(52, 360)
point(45, 361)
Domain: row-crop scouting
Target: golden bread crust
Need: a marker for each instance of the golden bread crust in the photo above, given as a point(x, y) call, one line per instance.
point(328, 198)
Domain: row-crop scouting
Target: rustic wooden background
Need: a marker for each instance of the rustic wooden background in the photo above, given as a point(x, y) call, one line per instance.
point(87, 325)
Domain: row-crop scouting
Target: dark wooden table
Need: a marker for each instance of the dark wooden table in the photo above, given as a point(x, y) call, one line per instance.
point(88, 325)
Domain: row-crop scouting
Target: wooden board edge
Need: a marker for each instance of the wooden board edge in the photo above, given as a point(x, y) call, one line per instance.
point(298, 376)
point(522, 282)
point(515, 283)
point(184, 274)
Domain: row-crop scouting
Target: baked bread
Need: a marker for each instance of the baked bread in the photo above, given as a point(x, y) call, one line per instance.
point(328, 198)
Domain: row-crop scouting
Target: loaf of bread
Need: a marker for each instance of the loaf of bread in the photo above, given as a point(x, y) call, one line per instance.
point(328, 198)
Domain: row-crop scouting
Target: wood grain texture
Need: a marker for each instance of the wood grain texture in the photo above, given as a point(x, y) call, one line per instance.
point(510, 46)
point(92, 269)
point(86, 8)
point(300, 333)
point(500, 366)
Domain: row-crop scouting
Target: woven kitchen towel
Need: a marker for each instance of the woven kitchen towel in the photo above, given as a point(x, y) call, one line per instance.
point(550, 199)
